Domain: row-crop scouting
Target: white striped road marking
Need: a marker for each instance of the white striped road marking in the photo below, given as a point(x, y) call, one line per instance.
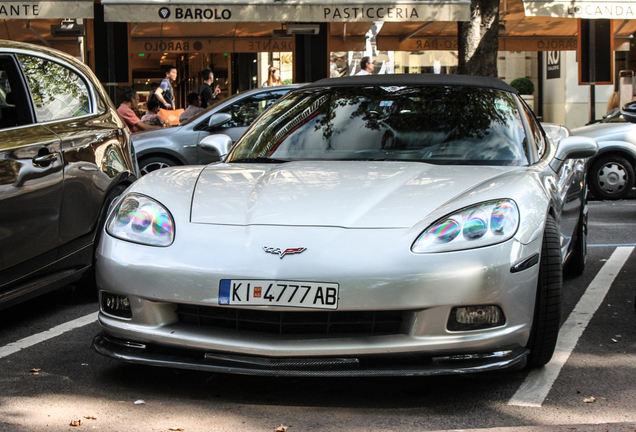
point(27, 342)
point(535, 388)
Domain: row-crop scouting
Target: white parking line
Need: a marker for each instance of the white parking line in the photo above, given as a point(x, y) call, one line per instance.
point(41, 337)
point(535, 388)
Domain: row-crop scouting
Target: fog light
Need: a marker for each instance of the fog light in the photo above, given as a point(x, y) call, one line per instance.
point(116, 305)
point(475, 318)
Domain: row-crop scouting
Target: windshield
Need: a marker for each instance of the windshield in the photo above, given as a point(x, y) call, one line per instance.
point(433, 124)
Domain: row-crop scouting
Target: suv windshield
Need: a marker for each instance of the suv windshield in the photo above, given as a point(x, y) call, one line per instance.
point(433, 124)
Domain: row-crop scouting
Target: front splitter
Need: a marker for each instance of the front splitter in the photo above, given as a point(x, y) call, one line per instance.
point(306, 367)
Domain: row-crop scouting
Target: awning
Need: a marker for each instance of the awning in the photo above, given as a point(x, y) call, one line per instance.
point(288, 11)
point(46, 9)
point(581, 9)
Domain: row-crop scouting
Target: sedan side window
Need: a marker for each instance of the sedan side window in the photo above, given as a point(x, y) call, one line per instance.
point(57, 91)
point(14, 105)
point(247, 110)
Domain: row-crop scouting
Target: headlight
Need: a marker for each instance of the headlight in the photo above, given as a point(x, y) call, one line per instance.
point(140, 219)
point(481, 225)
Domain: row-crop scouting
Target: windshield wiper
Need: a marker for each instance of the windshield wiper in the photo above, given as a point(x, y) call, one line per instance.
point(260, 159)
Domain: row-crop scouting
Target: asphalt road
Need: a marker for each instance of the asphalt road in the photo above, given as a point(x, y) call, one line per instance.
point(595, 390)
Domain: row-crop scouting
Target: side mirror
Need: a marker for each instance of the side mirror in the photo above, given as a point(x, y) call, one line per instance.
point(219, 144)
point(629, 111)
point(218, 119)
point(574, 147)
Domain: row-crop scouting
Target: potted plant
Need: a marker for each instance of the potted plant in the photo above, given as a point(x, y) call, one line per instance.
point(525, 87)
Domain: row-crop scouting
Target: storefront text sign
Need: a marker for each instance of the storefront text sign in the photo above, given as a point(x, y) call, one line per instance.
point(150, 46)
point(581, 9)
point(289, 11)
point(553, 64)
point(450, 44)
point(46, 9)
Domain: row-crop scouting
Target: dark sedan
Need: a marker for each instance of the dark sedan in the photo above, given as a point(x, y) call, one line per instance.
point(64, 156)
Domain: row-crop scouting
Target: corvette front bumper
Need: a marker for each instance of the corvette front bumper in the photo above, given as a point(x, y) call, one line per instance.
point(359, 366)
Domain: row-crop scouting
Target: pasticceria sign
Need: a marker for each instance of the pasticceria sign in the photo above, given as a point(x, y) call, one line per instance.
point(267, 11)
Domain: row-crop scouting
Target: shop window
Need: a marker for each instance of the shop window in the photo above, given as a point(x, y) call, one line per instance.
point(57, 91)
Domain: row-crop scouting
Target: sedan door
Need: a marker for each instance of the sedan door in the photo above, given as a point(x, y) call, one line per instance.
point(31, 181)
point(66, 104)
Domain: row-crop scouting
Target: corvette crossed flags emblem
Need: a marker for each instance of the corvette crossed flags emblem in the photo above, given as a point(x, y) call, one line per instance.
point(281, 253)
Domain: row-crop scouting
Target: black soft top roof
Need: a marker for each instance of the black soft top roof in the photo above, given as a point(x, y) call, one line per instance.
point(414, 79)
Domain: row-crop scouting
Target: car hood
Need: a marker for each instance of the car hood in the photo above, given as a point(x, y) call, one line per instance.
point(601, 130)
point(350, 194)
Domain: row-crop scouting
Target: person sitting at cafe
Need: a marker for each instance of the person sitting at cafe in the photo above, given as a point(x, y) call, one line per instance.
point(125, 111)
point(194, 107)
point(151, 117)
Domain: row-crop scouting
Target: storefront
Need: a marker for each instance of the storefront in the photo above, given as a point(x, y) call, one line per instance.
point(54, 23)
point(240, 40)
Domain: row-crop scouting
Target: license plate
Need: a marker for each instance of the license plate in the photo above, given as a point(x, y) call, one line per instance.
point(317, 295)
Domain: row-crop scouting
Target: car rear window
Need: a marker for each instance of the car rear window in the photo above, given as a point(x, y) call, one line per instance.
point(434, 124)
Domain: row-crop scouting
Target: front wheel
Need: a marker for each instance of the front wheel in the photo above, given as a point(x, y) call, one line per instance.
point(547, 309)
point(611, 177)
point(154, 163)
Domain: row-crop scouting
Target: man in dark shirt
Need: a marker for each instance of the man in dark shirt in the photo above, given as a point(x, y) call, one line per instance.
point(205, 91)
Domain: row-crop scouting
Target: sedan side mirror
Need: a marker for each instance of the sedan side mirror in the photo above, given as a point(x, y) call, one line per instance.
point(219, 144)
point(629, 111)
point(218, 119)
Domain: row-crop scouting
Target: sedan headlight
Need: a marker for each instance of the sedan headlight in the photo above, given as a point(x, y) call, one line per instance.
point(480, 225)
point(140, 219)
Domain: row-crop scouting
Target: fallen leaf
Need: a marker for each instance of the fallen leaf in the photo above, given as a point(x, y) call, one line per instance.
point(281, 428)
point(75, 423)
point(35, 370)
point(176, 429)
point(590, 399)
point(90, 417)
point(139, 402)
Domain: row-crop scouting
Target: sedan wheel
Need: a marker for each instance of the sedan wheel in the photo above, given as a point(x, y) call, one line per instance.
point(154, 163)
point(611, 178)
point(547, 310)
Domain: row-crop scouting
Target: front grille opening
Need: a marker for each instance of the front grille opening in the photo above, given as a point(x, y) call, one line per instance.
point(277, 322)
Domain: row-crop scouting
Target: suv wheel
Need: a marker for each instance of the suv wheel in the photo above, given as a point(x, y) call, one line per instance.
point(611, 177)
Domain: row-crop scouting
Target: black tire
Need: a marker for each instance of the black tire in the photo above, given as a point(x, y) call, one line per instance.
point(611, 177)
point(547, 310)
point(153, 163)
point(575, 265)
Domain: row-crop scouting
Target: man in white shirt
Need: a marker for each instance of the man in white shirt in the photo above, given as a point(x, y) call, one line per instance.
point(366, 66)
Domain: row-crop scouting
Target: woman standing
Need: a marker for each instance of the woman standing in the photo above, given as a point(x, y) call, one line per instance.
point(273, 77)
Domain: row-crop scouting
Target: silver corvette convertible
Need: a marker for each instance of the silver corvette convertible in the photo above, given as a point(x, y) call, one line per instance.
point(363, 226)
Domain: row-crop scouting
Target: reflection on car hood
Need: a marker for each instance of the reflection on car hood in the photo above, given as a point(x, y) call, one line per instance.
point(352, 194)
point(154, 133)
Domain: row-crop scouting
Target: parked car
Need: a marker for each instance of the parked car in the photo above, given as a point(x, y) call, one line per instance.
point(611, 172)
point(64, 156)
point(179, 145)
point(374, 225)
